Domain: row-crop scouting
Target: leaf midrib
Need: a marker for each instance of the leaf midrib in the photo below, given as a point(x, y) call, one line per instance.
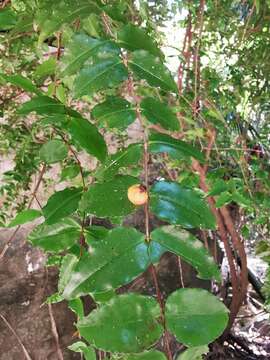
point(87, 84)
point(82, 55)
point(153, 75)
point(67, 200)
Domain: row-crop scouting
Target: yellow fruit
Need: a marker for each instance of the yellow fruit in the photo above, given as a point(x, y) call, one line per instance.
point(137, 194)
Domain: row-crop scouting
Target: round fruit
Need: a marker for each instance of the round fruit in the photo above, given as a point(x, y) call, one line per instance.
point(137, 194)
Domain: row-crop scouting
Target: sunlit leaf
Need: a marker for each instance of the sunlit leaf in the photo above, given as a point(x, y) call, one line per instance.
point(81, 347)
point(84, 50)
point(101, 75)
point(178, 205)
point(25, 216)
point(56, 237)
point(184, 244)
point(132, 37)
point(101, 269)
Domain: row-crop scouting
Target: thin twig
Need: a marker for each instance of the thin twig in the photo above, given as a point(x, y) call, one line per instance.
point(8, 243)
point(55, 333)
point(180, 272)
point(27, 356)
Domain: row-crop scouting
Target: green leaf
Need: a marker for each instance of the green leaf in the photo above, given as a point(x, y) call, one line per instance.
point(44, 105)
point(86, 136)
point(70, 172)
point(123, 158)
point(8, 19)
point(109, 199)
point(218, 187)
point(157, 112)
point(195, 316)
point(95, 232)
point(102, 75)
point(147, 355)
point(23, 25)
point(56, 237)
point(178, 205)
point(182, 243)
point(176, 148)
point(81, 347)
point(150, 68)
point(126, 324)
point(194, 353)
point(25, 216)
point(54, 299)
point(46, 68)
point(52, 15)
point(67, 265)
point(53, 151)
point(84, 50)
point(76, 305)
point(101, 269)
point(132, 38)
point(21, 82)
point(223, 199)
point(61, 204)
point(114, 113)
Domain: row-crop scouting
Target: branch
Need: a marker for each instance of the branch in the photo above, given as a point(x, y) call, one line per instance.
point(55, 333)
point(26, 354)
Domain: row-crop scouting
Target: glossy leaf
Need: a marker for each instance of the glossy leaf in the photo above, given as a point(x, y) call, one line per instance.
point(195, 316)
point(56, 237)
point(84, 50)
point(176, 148)
point(101, 75)
point(44, 105)
point(150, 68)
point(53, 151)
point(147, 355)
point(194, 353)
point(52, 15)
point(114, 113)
point(101, 269)
point(182, 243)
point(132, 37)
point(178, 205)
point(22, 82)
point(157, 112)
point(76, 305)
point(61, 204)
point(86, 136)
point(25, 216)
point(67, 265)
point(126, 324)
point(81, 347)
point(122, 159)
point(109, 199)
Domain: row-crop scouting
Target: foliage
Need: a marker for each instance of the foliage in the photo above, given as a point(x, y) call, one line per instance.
point(103, 72)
